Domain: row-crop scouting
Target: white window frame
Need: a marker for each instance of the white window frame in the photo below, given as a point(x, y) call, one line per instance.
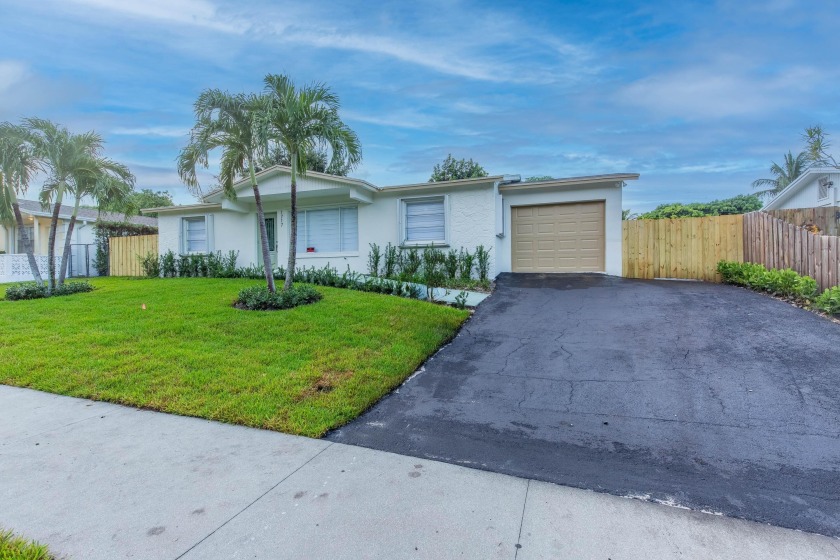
point(301, 244)
point(208, 233)
point(403, 205)
point(823, 186)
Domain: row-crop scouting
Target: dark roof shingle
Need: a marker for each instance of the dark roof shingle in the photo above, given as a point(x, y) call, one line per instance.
point(86, 214)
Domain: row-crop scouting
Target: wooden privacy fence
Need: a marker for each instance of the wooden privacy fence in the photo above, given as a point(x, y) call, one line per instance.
point(681, 248)
point(124, 253)
point(827, 218)
point(776, 243)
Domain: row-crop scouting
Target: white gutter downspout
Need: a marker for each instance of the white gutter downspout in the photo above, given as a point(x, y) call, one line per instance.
point(500, 207)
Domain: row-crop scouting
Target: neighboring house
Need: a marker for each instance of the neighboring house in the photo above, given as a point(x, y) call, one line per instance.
point(815, 188)
point(14, 265)
point(561, 225)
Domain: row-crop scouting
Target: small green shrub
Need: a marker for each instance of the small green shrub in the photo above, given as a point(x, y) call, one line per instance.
point(258, 298)
point(451, 264)
point(465, 264)
point(785, 283)
point(374, 257)
point(33, 290)
point(829, 301)
point(410, 263)
point(168, 266)
point(806, 288)
point(150, 265)
point(482, 261)
point(391, 261)
point(460, 301)
point(29, 290)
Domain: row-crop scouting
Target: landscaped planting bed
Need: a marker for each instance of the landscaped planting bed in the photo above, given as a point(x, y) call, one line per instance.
point(178, 345)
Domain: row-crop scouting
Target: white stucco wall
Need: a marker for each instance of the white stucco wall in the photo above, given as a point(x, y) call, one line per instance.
point(471, 222)
point(807, 196)
point(612, 219)
point(470, 225)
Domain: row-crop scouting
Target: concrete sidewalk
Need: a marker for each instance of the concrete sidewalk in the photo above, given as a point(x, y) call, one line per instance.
point(95, 480)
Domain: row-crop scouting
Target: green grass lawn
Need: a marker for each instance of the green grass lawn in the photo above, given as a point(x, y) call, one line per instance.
point(301, 371)
point(17, 548)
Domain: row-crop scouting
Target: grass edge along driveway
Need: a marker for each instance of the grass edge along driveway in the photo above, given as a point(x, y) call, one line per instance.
point(301, 371)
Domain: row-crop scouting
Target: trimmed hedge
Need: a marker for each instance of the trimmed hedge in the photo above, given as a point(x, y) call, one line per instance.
point(258, 298)
point(33, 290)
point(786, 283)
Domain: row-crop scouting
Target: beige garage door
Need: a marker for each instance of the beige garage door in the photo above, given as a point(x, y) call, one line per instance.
point(558, 238)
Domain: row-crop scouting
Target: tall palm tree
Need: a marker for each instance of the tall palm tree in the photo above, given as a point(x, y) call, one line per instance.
point(62, 154)
point(17, 166)
point(302, 121)
point(783, 175)
point(236, 124)
point(108, 183)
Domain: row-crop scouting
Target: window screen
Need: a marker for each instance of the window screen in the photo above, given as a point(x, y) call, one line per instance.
point(425, 220)
point(195, 235)
point(328, 230)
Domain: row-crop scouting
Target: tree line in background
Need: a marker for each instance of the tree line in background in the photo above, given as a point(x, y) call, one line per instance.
point(815, 154)
point(74, 167)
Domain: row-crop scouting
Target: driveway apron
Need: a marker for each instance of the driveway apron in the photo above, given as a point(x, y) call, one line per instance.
point(699, 395)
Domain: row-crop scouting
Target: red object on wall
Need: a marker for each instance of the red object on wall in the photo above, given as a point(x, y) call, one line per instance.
point(310, 249)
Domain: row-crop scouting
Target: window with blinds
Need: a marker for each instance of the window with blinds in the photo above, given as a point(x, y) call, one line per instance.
point(424, 220)
point(195, 234)
point(328, 230)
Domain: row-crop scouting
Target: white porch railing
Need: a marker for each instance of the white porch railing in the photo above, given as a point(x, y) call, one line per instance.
point(15, 268)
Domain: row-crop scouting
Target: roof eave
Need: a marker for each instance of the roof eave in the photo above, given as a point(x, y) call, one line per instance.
point(275, 169)
point(440, 184)
point(182, 208)
point(794, 186)
point(617, 178)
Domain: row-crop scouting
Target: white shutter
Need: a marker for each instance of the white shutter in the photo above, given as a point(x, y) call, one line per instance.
point(349, 229)
point(425, 220)
point(211, 234)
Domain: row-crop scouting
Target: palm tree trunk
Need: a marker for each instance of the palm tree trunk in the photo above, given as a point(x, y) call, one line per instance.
point(266, 254)
point(53, 227)
point(65, 256)
point(290, 270)
point(27, 243)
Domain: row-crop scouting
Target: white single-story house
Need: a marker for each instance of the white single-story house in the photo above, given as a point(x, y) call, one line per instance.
point(559, 225)
point(815, 188)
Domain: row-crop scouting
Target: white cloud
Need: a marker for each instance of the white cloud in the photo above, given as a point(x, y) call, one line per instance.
point(12, 73)
point(446, 61)
point(719, 90)
point(199, 13)
point(162, 131)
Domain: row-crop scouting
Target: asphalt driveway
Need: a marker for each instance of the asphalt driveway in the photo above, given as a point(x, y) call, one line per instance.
point(705, 396)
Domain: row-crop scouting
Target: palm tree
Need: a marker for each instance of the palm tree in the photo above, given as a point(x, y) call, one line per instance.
point(302, 121)
point(793, 168)
point(236, 124)
point(818, 145)
point(108, 183)
point(63, 154)
point(17, 166)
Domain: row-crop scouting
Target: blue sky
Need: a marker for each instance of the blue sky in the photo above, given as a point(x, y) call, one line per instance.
point(698, 97)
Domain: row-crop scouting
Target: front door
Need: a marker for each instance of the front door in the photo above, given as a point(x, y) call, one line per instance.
point(271, 231)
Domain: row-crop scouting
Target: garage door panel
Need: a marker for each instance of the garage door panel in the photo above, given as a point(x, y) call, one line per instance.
point(558, 238)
